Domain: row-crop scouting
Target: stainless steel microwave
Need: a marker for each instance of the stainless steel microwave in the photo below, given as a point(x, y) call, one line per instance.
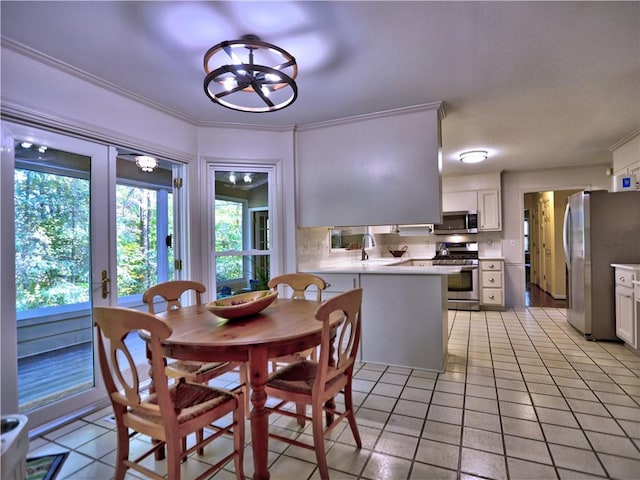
point(457, 222)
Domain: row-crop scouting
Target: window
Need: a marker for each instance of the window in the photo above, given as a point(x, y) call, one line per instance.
point(241, 231)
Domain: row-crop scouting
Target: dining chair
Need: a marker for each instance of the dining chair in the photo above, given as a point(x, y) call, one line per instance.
point(171, 412)
point(299, 283)
point(316, 383)
point(200, 372)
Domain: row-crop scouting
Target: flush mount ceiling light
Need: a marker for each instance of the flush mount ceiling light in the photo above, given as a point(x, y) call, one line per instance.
point(473, 156)
point(250, 75)
point(146, 163)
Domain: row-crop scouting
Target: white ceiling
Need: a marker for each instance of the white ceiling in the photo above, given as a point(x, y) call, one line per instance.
point(538, 84)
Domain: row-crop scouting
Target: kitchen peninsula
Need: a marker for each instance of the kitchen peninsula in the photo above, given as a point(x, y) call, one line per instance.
point(404, 308)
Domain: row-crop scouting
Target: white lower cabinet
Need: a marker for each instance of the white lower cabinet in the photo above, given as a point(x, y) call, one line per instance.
point(491, 283)
point(404, 317)
point(404, 320)
point(626, 315)
point(338, 283)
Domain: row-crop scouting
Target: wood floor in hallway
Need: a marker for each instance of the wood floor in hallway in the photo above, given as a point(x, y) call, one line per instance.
point(534, 296)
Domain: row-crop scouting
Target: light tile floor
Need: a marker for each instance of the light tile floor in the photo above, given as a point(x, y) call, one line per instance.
point(524, 396)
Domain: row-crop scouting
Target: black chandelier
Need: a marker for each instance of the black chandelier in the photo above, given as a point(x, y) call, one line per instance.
point(250, 75)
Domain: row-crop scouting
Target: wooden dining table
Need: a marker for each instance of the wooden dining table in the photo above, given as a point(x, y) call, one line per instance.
point(284, 327)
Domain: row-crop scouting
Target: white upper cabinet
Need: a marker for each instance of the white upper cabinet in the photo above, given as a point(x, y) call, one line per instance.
point(378, 169)
point(489, 210)
point(475, 192)
point(459, 201)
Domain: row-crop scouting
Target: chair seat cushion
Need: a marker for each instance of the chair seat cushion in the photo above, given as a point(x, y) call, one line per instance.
point(190, 400)
point(193, 368)
point(298, 377)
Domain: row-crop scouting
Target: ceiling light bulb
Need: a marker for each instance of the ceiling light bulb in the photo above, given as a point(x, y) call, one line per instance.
point(146, 163)
point(232, 178)
point(473, 156)
point(247, 178)
point(26, 144)
point(229, 83)
point(42, 149)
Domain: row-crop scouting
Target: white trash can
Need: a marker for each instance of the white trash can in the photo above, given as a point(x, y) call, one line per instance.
point(15, 446)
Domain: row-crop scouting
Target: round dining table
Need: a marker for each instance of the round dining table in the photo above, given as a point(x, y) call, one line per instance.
point(284, 327)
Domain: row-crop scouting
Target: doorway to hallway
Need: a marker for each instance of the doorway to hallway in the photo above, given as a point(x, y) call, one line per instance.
point(545, 269)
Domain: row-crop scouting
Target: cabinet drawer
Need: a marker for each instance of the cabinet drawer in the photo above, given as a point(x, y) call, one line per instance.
point(491, 279)
point(624, 277)
point(491, 296)
point(339, 282)
point(491, 265)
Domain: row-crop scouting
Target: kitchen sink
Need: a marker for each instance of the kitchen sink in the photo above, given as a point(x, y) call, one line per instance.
point(412, 262)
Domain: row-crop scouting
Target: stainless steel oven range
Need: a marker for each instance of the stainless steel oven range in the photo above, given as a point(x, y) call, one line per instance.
point(463, 291)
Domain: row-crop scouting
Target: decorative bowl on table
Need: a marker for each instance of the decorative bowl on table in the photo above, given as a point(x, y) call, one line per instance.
point(242, 305)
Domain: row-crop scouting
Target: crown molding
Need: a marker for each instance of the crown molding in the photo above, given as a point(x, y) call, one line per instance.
point(247, 126)
point(439, 106)
point(25, 114)
point(625, 139)
point(90, 78)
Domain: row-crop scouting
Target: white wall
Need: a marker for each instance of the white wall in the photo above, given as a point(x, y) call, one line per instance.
point(463, 183)
point(38, 91)
point(514, 186)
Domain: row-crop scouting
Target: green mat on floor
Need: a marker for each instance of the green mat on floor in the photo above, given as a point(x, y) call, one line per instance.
point(45, 467)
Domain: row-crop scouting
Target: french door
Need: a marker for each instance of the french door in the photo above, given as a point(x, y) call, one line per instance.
point(89, 229)
point(62, 266)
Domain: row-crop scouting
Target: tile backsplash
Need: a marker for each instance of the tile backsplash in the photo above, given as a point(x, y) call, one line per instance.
point(313, 245)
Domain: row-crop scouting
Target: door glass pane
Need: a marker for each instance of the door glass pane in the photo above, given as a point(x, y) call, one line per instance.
point(241, 231)
point(53, 272)
point(144, 225)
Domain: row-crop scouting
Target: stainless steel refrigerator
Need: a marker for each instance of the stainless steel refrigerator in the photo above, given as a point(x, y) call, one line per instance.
point(600, 228)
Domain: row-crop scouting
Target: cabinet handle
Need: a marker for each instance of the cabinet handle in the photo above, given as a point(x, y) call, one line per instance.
point(621, 278)
point(492, 297)
point(327, 285)
point(491, 265)
point(492, 280)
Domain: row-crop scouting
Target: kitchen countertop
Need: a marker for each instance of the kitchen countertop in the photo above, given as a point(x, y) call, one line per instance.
point(629, 266)
point(380, 266)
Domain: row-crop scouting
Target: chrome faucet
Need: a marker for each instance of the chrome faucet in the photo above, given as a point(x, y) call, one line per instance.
point(365, 255)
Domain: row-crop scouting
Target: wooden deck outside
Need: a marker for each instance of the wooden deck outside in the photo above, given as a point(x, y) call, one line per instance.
point(47, 377)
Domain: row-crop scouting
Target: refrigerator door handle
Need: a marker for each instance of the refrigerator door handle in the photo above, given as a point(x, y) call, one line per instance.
point(566, 233)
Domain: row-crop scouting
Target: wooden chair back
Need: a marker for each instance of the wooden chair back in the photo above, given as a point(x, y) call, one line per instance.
point(168, 413)
point(119, 370)
point(171, 291)
point(299, 282)
point(200, 372)
point(307, 382)
point(348, 306)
